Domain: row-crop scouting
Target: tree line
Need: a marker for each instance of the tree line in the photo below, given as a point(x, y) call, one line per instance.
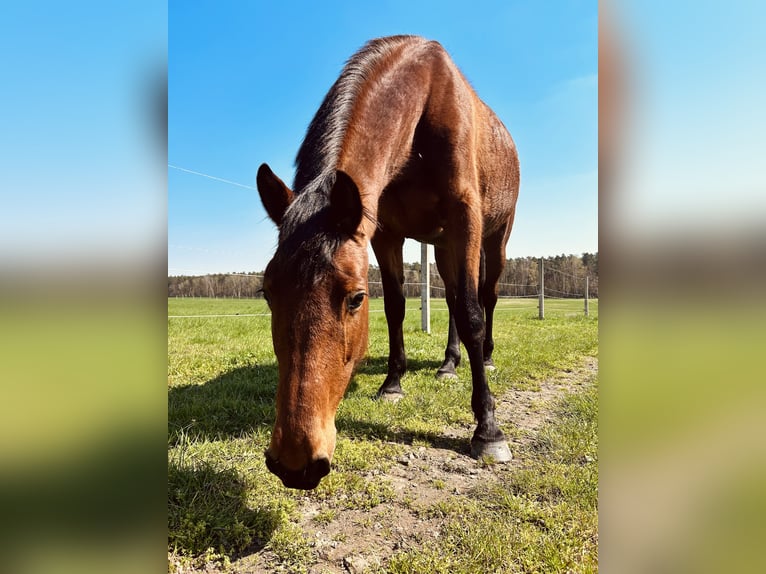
point(564, 276)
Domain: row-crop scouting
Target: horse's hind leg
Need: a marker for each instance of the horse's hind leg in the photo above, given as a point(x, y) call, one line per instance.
point(494, 257)
point(452, 353)
point(388, 251)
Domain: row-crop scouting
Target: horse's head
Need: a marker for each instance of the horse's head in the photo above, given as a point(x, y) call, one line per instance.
point(316, 286)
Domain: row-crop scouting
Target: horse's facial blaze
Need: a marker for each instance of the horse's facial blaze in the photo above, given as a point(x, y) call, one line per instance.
point(319, 335)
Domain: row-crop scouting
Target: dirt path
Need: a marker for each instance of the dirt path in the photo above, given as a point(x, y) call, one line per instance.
point(356, 540)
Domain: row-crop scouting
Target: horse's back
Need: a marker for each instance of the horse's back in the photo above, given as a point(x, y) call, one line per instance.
point(458, 130)
point(467, 126)
point(499, 173)
point(423, 143)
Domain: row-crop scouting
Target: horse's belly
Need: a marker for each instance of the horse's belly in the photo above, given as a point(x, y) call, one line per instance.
point(432, 235)
point(416, 215)
point(423, 227)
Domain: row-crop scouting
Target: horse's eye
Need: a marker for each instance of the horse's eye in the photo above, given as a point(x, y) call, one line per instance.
point(355, 301)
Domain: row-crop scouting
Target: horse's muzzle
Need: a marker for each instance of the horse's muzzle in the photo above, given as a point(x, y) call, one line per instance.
point(306, 479)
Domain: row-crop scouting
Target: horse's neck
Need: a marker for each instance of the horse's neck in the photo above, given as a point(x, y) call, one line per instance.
point(377, 143)
point(372, 165)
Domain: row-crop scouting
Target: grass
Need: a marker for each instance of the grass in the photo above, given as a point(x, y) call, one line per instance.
point(542, 518)
point(223, 503)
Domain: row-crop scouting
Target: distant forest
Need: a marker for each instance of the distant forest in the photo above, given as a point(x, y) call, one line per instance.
point(564, 276)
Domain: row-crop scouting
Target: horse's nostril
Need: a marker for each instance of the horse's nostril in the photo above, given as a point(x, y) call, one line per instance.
point(306, 479)
point(272, 464)
point(320, 467)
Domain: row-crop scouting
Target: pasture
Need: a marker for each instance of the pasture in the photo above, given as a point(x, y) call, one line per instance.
point(403, 495)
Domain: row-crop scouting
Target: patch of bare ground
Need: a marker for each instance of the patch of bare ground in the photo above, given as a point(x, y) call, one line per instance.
point(427, 482)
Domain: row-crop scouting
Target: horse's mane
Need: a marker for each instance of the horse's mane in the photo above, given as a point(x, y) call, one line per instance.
point(304, 230)
point(318, 155)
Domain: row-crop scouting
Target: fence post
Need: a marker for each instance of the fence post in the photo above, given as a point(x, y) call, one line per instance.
point(425, 290)
point(541, 304)
point(586, 295)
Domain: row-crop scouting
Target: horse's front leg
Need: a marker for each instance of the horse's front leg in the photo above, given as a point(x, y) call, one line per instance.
point(494, 247)
point(388, 251)
point(488, 439)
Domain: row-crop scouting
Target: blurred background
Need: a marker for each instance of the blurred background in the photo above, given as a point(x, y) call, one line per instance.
point(683, 249)
point(83, 250)
point(83, 140)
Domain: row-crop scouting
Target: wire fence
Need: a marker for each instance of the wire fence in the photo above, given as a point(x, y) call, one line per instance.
point(549, 282)
point(249, 285)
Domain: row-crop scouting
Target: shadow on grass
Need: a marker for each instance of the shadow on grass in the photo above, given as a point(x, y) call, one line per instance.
point(352, 427)
point(232, 404)
point(207, 508)
point(379, 366)
point(242, 400)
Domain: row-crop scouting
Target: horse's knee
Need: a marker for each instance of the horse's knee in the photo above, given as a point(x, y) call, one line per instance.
point(470, 324)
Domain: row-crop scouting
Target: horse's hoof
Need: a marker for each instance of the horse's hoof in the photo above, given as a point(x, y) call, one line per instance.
point(390, 397)
point(489, 365)
point(498, 451)
point(446, 374)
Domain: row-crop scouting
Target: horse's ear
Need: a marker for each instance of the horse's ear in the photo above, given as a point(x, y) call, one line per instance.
point(345, 204)
point(275, 195)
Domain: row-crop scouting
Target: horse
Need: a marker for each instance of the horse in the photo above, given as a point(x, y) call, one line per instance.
point(401, 146)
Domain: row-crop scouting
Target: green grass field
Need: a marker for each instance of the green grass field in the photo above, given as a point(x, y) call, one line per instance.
point(537, 514)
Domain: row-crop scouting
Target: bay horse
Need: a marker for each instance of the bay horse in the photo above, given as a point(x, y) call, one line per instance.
point(400, 147)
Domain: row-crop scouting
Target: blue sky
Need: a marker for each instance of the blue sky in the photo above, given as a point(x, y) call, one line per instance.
point(80, 172)
point(245, 79)
point(695, 117)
